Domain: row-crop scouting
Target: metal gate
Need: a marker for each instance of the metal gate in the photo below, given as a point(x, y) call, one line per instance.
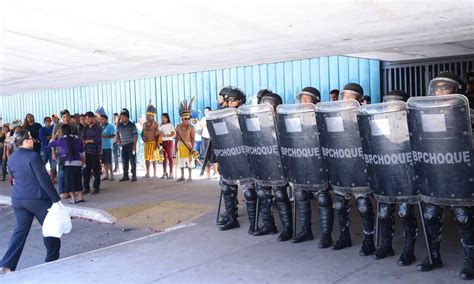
point(413, 77)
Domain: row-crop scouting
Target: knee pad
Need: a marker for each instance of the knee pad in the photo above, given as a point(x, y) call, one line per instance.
point(301, 195)
point(227, 189)
point(324, 199)
point(461, 214)
point(385, 211)
point(432, 214)
point(281, 195)
point(250, 194)
point(363, 205)
point(405, 210)
point(264, 193)
point(341, 202)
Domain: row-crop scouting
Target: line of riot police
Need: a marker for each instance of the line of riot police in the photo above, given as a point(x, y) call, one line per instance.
point(384, 150)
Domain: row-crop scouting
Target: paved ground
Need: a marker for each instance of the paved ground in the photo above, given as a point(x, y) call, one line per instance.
point(199, 253)
point(85, 236)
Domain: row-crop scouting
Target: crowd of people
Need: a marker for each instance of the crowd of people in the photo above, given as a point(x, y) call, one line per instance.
point(80, 147)
point(83, 150)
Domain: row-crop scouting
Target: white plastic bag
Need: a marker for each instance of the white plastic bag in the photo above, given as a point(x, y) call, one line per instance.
point(57, 221)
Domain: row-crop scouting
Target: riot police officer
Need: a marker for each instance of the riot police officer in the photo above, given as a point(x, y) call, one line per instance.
point(354, 91)
point(447, 83)
point(303, 208)
point(406, 211)
point(234, 98)
point(264, 193)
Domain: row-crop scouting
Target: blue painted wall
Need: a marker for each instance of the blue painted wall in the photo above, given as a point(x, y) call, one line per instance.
point(285, 78)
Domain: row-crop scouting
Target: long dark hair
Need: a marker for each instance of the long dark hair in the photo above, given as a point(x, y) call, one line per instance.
point(66, 129)
point(167, 117)
point(25, 121)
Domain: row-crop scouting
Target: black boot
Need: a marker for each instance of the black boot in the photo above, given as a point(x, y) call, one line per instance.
point(342, 210)
point(229, 203)
point(467, 271)
point(303, 210)
point(236, 214)
point(366, 212)
point(407, 213)
point(368, 245)
point(224, 218)
point(284, 211)
point(433, 216)
point(387, 227)
point(326, 218)
point(252, 214)
point(265, 199)
point(250, 195)
point(465, 220)
point(344, 241)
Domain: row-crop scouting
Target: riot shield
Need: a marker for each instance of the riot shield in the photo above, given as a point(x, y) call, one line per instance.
point(387, 151)
point(441, 139)
point(228, 145)
point(299, 144)
point(259, 135)
point(341, 146)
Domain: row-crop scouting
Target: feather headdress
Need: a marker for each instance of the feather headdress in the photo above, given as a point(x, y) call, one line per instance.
point(100, 110)
point(185, 108)
point(151, 109)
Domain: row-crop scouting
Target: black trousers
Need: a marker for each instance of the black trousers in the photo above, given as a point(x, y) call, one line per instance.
point(115, 151)
point(4, 168)
point(25, 211)
point(92, 164)
point(129, 157)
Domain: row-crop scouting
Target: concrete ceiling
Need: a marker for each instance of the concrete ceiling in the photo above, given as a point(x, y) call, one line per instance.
point(53, 44)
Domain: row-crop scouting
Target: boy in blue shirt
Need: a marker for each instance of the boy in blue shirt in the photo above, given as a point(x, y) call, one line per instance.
point(108, 135)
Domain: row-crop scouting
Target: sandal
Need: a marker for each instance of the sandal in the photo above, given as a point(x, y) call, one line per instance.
point(165, 175)
point(180, 179)
point(80, 200)
point(72, 202)
point(65, 196)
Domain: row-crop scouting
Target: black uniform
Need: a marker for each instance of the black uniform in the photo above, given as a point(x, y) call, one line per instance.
point(280, 193)
point(448, 83)
point(405, 210)
point(363, 200)
point(229, 192)
point(303, 199)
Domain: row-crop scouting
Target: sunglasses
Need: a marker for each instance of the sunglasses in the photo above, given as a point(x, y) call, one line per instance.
point(186, 118)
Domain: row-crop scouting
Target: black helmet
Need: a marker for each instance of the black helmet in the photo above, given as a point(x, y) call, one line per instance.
point(235, 93)
point(395, 95)
point(262, 93)
point(312, 92)
point(445, 83)
point(271, 98)
point(224, 91)
point(355, 89)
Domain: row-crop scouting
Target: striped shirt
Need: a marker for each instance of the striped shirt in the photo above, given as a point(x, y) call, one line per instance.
point(126, 132)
